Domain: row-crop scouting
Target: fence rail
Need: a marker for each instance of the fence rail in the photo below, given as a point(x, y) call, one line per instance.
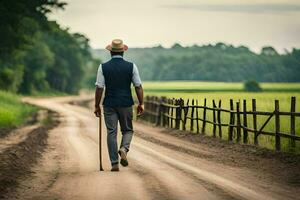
point(186, 115)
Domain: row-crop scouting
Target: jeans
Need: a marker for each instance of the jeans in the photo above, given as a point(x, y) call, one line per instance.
point(112, 116)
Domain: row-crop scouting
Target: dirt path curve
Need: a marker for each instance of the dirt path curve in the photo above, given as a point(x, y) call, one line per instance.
point(69, 169)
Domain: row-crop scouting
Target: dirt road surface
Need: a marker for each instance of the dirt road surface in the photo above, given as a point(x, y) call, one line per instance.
point(69, 168)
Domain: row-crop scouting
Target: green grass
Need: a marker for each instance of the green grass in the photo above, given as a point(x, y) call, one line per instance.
point(12, 111)
point(225, 92)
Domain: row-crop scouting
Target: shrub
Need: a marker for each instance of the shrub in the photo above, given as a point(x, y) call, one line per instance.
point(252, 86)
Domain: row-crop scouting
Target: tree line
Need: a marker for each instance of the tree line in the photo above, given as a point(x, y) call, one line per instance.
point(37, 54)
point(219, 62)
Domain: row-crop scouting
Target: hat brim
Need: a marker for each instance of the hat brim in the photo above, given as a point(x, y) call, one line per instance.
point(109, 48)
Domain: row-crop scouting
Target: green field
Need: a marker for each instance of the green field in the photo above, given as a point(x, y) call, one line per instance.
point(12, 111)
point(199, 86)
point(226, 91)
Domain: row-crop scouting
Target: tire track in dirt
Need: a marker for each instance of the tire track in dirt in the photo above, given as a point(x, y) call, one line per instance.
point(219, 191)
point(20, 155)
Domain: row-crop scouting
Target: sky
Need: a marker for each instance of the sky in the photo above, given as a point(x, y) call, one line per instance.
point(147, 23)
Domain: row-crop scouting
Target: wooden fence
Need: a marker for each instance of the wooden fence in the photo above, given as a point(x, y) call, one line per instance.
point(181, 115)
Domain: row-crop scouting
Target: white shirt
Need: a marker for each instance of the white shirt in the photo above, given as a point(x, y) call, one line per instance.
point(136, 80)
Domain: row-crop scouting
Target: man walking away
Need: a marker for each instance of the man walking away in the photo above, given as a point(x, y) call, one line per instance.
point(116, 76)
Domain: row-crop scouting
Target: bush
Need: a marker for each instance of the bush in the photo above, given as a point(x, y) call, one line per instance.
point(252, 86)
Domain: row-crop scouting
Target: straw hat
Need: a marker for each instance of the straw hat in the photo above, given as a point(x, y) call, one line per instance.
point(117, 46)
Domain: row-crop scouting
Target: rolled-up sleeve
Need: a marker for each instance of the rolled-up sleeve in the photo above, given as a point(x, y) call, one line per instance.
point(136, 79)
point(100, 81)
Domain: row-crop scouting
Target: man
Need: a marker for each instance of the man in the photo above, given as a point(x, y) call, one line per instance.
point(116, 76)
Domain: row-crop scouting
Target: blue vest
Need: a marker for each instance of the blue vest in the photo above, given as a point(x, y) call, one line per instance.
point(118, 76)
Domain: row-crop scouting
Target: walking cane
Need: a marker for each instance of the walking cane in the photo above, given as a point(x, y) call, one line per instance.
point(100, 143)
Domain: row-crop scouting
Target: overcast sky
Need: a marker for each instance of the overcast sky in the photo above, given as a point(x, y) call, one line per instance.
point(144, 23)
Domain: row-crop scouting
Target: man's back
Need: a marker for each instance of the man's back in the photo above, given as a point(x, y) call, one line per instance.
point(118, 77)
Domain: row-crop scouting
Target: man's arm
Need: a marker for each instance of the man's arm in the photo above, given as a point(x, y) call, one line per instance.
point(136, 80)
point(98, 97)
point(140, 95)
point(100, 83)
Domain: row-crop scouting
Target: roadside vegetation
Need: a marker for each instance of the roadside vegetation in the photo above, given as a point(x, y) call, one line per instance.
point(37, 54)
point(38, 57)
point(12, 111)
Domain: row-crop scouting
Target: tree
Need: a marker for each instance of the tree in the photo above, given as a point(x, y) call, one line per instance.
point(37, 54)
point(38, 59)
point(72, 54)
point(14, 22)
point(11, 75)
point(269, 51)
point(176, 46)
point(252, 86)
point(220, 62)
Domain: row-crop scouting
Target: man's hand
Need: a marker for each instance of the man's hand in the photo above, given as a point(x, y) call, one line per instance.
point(97, 111)
point(140, 109)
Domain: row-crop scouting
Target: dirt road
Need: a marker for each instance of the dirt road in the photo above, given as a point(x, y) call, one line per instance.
point(69, 168)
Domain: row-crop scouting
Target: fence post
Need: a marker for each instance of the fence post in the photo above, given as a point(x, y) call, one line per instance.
point(277, 126)
point(145, 116)
point(177, 110)
point(231, 122)
point(155, 109)
point(204, 118)
point(186, 110)
point(219, 119)
point(254, 121)
point(172, 112)
point(181, 109)
point(197, 116)
point(214, 118)
point(168, 112)
point(192, 116)
point(158, 121)
point(152, 109)
point(163, 112)
point(245, 123)
point(293, 110)
point(238, 122)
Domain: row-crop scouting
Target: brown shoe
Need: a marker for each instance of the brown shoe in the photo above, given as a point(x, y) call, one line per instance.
point(123, 155)
point(115, 168)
